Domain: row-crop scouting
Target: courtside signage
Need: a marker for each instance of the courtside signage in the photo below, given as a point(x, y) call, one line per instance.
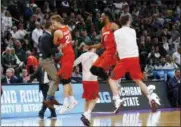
point(26, 100)
point(132, 95)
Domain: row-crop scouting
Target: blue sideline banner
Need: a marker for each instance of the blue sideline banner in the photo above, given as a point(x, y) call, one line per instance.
point(26, 100)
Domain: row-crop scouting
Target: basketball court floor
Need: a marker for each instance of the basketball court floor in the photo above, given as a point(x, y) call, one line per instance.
point(163, 117)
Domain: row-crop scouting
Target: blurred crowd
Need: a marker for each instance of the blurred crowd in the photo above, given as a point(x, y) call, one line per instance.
point(157, 24)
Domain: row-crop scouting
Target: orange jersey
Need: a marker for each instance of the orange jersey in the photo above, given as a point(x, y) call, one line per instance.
point(67, 39)
point(108, 39)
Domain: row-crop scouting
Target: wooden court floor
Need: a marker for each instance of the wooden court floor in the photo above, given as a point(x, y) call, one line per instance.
point(163, 117)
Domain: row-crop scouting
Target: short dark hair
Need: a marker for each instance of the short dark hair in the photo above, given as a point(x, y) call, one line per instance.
point(48, 24)
point(57, 18)
point(108, 13)
point(124, 19)
point(178, 69)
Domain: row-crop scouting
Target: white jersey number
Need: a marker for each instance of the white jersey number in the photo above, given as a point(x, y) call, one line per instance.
point(68, 39)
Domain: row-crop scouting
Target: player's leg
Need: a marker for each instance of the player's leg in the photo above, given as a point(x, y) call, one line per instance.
point(102, 64)
point(100, 72)
point(91, 96)
point(91, 88)
point(65, 107)
point(86, 116)
point(137, 76)
point(86, 105)
point(73, 101)
point(117, 73)
point(65, 73)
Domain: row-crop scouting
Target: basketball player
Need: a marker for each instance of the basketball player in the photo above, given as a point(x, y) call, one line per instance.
point(90, 84)
point(109, 57)
point(127, 48)
point(63, 38)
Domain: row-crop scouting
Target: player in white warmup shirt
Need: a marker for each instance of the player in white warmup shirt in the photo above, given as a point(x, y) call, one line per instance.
point(127, 49)
point(90, 83)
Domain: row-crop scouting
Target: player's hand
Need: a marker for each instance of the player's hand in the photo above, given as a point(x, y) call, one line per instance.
point(60, 47)
point(58, 55)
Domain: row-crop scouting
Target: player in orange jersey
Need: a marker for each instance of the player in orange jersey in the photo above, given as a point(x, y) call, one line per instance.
point(63, 39)
point(109, 57)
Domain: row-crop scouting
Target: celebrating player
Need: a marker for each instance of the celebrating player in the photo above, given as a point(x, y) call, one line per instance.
point(63, 38)
point(90, 84)
point(109, 57)
point(127, 48)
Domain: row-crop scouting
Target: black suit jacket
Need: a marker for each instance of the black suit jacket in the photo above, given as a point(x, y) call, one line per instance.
point(13, 79)
point(46, 46)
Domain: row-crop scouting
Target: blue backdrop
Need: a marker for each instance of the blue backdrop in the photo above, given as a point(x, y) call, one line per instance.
point(26, 100)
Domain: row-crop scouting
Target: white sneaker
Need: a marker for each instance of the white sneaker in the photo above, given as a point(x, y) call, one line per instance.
point(64, 109)
point(156, 98)
point(151, 88)
point(72, 105)
point(87, 116)
point(154, 102)
point(118, 104)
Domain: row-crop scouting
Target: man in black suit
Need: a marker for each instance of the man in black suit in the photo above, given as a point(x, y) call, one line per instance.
point(42, 78)
point(174, 88)
point(9, 78)
point(48, 50)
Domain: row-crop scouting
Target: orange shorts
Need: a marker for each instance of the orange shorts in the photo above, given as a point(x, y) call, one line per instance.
point(66, 66)
point(130, 65)
point(106, 61)
point(91, 89)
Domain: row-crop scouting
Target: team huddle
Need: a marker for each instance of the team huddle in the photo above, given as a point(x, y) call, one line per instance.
point(120, 52)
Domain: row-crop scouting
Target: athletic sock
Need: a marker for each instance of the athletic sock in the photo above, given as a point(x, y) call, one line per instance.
point(87, 115)
point(116, 98)
point(66, 101)
point(89, 111)
point(72, 99)
point(149, 97)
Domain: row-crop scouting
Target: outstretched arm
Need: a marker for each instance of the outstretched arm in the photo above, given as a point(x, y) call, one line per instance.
point(78, 61)
point(99, 45)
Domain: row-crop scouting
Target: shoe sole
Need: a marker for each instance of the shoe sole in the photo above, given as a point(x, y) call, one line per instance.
point(154, 106)
point(56, 103)
point(41, 118)
point(85, 121)
point(118, 109)
point(64, 111)
point(50, 104)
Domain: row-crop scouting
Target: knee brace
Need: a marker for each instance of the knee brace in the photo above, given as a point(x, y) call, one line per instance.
point(66, 81)
point(98, 71)
point(94, 70)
